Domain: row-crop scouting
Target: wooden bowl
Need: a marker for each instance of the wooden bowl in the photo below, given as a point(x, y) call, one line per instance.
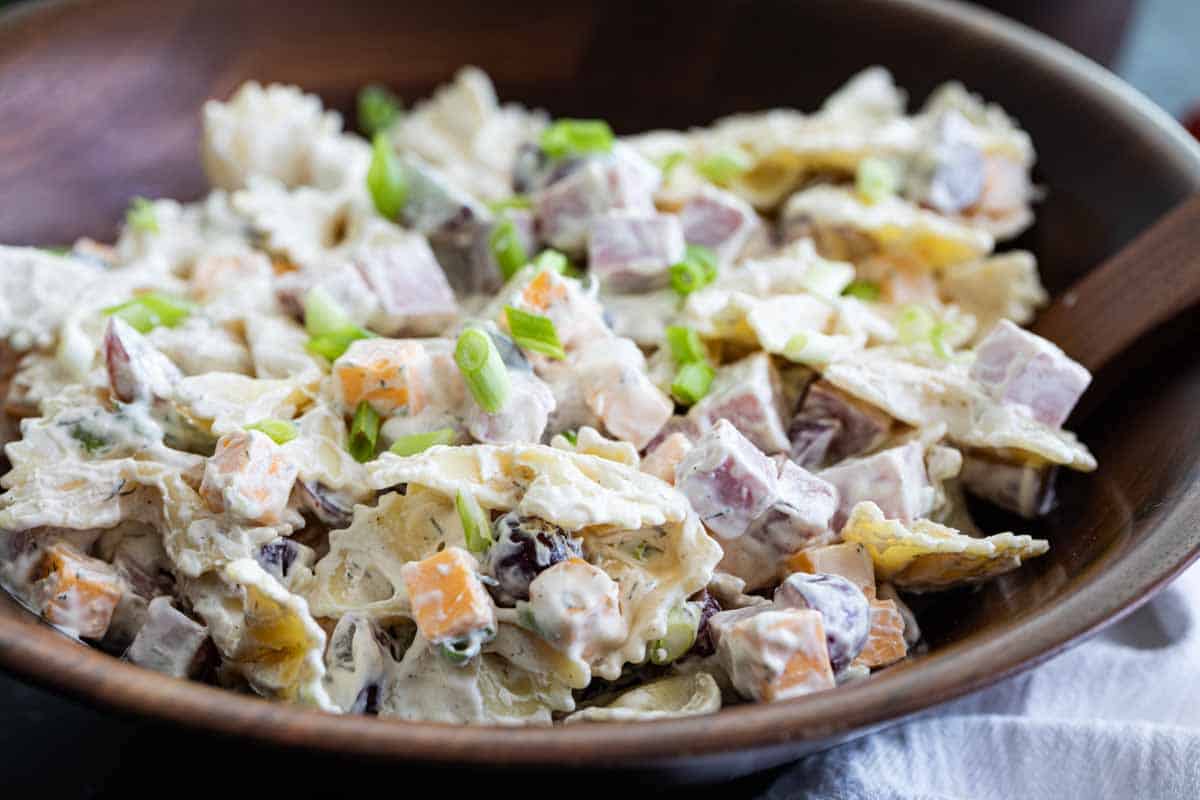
point(100, 102)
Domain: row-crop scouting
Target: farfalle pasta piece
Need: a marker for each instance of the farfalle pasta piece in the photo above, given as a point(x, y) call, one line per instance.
point(890, 226)
point(925, 556)
point(265, 633)
point(636, 528)
point(676, 696)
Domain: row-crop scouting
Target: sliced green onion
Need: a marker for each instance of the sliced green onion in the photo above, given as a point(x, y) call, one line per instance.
point(58, 251)
point(477, 528)
point(827, 278)
point(863, 290)
point(329, 326)
point(697, 270)
point(692, 382)
point(483, 369)
point(683, 624)
point(685, 345)
point(915, 324)
point(364, 433)
point(147, 311)
point(281, 431)
point(506, 248)
point(517, 201)
point(386, 180)
point(571, 137)
point(552, 260)
point(527, 620)
point(811, 347)
point(723, 167)
point(572, 437)
point(415, 443)
point(877, 178)
point(378, 109)
point(670, 161)
point(534, 332)
point(92, 442)
point(141, 216)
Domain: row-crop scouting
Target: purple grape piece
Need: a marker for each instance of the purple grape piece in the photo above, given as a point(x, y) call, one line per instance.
point(524, 548)
point(278, 556)
point(845, 611)
point(708, 606)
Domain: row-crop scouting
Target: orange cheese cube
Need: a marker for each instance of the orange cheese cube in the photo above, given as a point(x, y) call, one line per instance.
point(885, 643)
point(249, 476)
point(776, 655)
point(390, 374)
point(447, 598)
point(849, 560)
point(543, 291)
point(78, 592)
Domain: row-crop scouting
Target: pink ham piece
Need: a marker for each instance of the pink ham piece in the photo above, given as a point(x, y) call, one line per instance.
point(720, 221)
point(565, 209)
point(1016, 367)
point(414, 296)
point(523, 419)
point(749, 394)
point(762, 510)
point(136, 370)
point(831, 426)
point(1026, 489)
point(611, 374)
point(169, 642)
point(728, 481)
point(893, 479)
point(631, 251)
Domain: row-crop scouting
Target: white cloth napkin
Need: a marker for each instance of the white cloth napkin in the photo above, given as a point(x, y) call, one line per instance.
point(1116, 717)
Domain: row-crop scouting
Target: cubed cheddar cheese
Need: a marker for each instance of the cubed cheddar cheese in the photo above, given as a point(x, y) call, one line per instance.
point(885, 644)
point(387, 373)
point(447, 598)
point(546, 289)
point(78, 593)
point(250, 477)
point(776, 655)
point(849, 560)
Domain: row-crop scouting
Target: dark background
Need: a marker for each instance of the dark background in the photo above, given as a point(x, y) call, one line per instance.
point(58, 748)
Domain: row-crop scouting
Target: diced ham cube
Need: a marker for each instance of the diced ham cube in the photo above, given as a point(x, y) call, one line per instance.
point(831, 426)
point(798, 518)
point(849, 560)
point(749, 394)
point(77, 592)
point(447, 598)
point(1021, 368)
point(390, 374)
point(576, 607)
point(522, 420)
point(249, 477)
point(612, 374)
point(1026, 489)
point(169, 642)
point(777, 654)
point(633, 251)
point(136, 370)
point(720, 221)
point(949, 177)
point(565, 209)
point(885, 644)
point(438, 208)
point(728, 481)
point(894, 479)
point(662, 459)
point(413, 293)
point(722, 622)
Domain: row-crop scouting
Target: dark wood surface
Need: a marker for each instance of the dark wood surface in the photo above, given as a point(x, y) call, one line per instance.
point(1151, 281)
point(99, 102)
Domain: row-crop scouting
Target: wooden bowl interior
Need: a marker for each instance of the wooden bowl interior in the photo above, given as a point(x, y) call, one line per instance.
point(100, 103)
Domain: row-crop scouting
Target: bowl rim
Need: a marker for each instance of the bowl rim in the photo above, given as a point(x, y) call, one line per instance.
point(34, 652)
